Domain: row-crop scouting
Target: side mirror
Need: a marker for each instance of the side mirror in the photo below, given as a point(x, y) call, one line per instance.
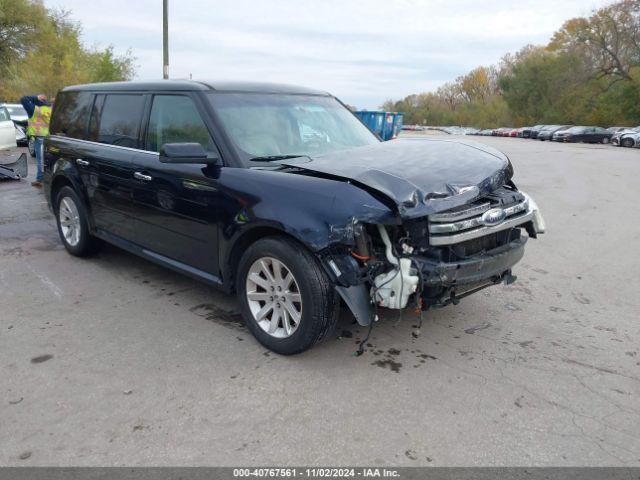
point(185, 153)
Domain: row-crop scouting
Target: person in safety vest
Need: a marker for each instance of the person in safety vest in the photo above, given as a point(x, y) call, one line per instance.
point(39, 112)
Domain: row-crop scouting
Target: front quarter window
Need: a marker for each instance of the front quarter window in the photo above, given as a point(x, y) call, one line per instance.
point(272, 125)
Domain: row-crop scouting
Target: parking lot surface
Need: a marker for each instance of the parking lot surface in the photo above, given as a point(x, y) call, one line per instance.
point(112, 360)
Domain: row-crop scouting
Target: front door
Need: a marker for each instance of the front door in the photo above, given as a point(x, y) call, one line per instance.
point(176, 204)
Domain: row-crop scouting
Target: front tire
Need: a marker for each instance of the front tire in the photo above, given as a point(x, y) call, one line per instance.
point(627, 142)
point(605, 140)
point(73, 225)
point(286, 298)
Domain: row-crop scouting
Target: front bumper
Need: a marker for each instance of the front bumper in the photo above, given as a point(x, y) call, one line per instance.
point(488, 266)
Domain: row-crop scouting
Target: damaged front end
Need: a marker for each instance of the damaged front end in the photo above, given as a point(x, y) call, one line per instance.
point(433, 260)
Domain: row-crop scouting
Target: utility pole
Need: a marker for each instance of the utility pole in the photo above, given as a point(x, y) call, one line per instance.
point(165, 39)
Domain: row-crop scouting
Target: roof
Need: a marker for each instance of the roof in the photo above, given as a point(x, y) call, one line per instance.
point(195, 85)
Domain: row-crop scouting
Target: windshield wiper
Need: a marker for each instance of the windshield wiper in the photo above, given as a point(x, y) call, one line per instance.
point(273, 158)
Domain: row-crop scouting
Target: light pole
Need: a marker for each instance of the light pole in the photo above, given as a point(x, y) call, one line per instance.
point(165, 39)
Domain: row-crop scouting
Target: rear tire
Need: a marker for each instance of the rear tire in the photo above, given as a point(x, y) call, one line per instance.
point(308, 294)
point(73, 224)
point(605, 140)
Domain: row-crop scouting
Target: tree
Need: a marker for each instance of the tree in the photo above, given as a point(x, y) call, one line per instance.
point(478, 85)
point(18, 21)
point(51, 56)
point(609, 39)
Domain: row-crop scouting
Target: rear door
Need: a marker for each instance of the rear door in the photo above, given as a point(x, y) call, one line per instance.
point(107, 167)
point(7, 130)
point(176, 205)
point(588, 135)
point(599, 133)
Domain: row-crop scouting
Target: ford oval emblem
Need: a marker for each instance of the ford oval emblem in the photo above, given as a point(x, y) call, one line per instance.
point(493, 216)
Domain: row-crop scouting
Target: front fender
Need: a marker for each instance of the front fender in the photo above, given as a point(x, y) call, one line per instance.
point(318, 212)
point(312, 209)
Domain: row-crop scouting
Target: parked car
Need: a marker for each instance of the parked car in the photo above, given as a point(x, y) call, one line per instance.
point(503, 131)
point(583, 134)
point(526, 131)
point(547, 132)
point(630, 139)
point(19, 117)
point(535, 130)
point(619, 138)
point(216, 181)
point(513, 132)
point(7, 130)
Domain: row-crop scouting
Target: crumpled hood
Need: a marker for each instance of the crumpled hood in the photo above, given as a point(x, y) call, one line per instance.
point(420, 175)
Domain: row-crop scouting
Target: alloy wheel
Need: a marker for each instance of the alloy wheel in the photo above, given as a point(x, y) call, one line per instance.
point(69, 221)
point(274, 297)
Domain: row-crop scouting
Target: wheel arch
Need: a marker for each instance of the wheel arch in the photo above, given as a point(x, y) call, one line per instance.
point(59, 182)
point(243, 241)
point(62, 179)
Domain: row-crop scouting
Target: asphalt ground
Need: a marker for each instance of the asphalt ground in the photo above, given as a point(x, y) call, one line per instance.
point(113, 360)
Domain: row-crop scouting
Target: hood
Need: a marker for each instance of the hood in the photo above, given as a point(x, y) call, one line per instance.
point(421, 176)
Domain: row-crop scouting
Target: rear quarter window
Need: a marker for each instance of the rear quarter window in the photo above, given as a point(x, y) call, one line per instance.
point(71, 114)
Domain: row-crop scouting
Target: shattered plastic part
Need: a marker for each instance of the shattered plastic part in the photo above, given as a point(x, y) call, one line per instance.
point(15, 170)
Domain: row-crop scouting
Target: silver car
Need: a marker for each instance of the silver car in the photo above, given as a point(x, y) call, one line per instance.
point(631, 139)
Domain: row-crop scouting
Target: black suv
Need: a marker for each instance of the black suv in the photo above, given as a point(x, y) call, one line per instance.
point(282, 195)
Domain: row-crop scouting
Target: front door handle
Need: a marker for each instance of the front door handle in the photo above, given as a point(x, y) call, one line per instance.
point(82, 162)
point(142, 176)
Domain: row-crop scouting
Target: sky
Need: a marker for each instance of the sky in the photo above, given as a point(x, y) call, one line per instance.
point(362, 51)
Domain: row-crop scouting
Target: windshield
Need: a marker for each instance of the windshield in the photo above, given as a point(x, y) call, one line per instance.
point(16, 110)
point(266, 127)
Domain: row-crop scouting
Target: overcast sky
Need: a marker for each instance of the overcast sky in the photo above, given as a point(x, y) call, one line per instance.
point(363, 51)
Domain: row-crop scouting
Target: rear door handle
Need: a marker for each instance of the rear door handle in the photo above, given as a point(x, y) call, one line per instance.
point(142, 176)
point(82, 162)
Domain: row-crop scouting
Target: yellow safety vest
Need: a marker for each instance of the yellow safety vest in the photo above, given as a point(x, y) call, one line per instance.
point(38, 124)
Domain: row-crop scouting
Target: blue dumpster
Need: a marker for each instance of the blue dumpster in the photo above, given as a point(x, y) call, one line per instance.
point(386, 125)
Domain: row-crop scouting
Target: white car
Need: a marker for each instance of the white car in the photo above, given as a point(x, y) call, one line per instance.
point(16, 112)
point(19, 116)
point(7, 130)
point(617, 136)
point(630, 139)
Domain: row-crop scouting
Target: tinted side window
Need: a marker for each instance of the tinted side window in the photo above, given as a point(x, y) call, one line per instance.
point(175, 119)
point(71, 114)
point(120, 120)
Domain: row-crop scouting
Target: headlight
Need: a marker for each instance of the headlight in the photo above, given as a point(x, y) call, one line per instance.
point(537, 220)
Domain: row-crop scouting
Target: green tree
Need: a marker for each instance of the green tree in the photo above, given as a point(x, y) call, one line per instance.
point(589, 73)
point(45, 52)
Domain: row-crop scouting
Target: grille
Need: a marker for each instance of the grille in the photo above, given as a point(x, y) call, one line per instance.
point(501, 210)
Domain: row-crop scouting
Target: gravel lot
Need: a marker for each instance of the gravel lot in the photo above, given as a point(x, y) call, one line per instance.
point(115, 361)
